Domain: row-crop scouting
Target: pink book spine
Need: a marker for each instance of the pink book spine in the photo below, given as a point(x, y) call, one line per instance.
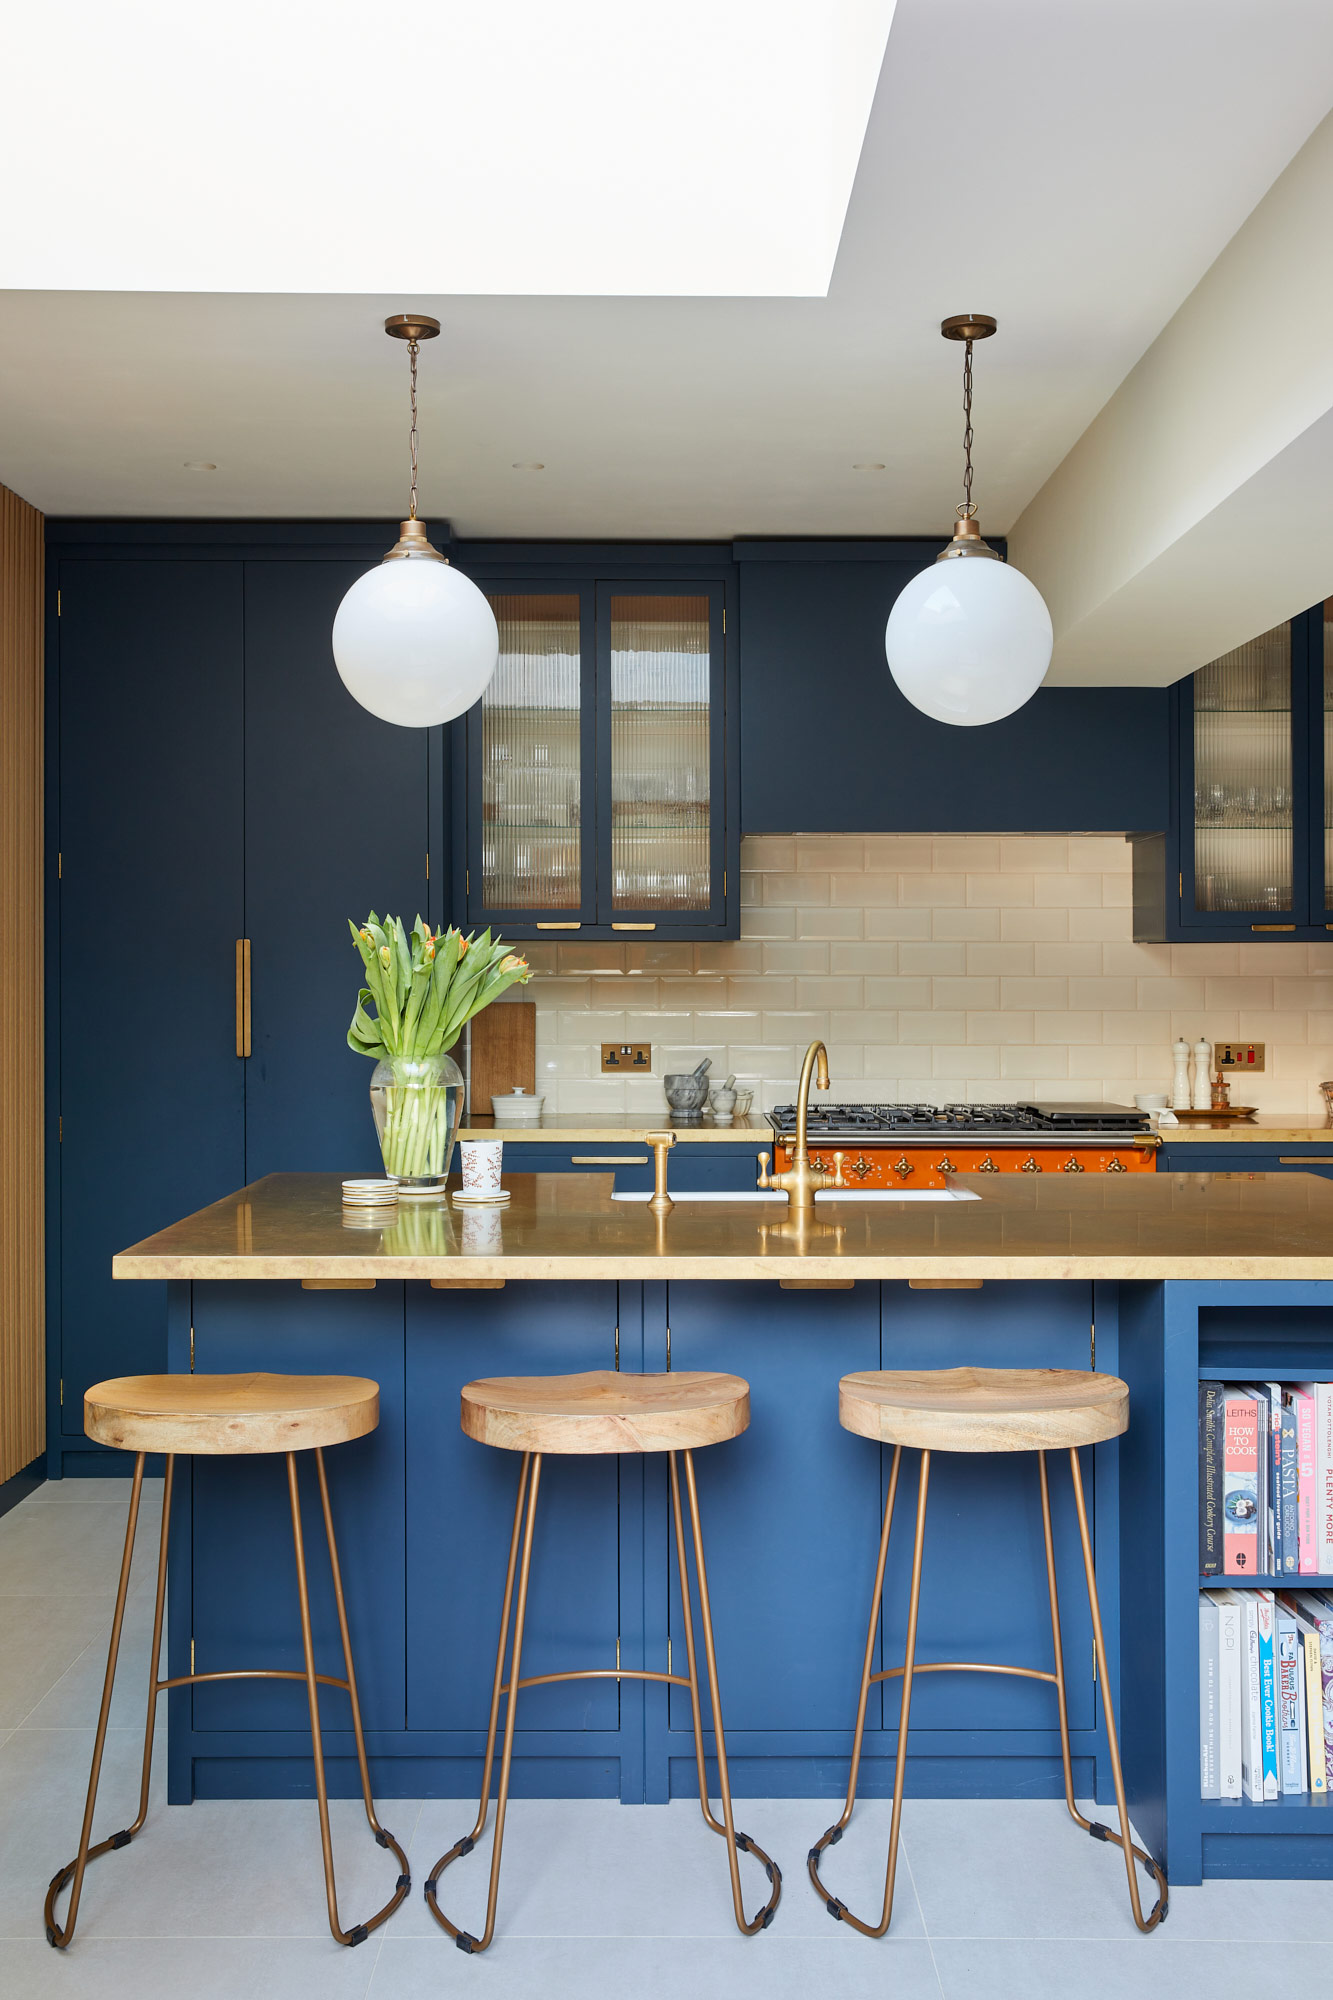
point(1307, 1470)
point(1324, 1459)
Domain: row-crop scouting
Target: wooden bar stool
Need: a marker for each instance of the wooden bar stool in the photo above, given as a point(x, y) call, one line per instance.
point(983, 1410)
point(601, 1412)
point(229, 1416)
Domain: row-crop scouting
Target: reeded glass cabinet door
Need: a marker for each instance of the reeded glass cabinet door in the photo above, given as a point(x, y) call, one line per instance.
point(532, 765)
point(660, 737)
point(1240, 853)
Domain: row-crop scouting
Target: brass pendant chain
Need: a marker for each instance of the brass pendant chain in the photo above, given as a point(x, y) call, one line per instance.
point(412, 440)
point(967, 510)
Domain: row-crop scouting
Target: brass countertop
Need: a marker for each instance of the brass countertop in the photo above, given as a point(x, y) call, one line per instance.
point(585, 1127)
point(631, 1127)
point(567, 1226)
point(1269, 1127)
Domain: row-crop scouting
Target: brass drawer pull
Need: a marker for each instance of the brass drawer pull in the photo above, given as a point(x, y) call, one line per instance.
point(607, 1160)
point(1276, 927)
point(467, 1284)
point(242, 996)
point(634, 927)
point(559, 927)
point(1305, 1159)
point(337, 1284)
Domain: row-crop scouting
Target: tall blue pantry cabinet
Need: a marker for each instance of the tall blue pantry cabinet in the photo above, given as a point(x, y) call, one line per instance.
point(210, 782)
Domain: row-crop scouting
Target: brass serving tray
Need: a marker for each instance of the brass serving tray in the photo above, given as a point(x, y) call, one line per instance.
point(1231, 1111)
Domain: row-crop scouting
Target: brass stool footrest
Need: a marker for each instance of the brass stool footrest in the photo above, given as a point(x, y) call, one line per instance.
point(1160, 1908)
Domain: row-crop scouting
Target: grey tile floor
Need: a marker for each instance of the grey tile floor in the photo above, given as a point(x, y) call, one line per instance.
point(225, 1901)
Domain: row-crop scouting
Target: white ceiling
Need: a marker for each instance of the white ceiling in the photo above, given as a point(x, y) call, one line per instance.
point(1072, 166)
point(318, 146)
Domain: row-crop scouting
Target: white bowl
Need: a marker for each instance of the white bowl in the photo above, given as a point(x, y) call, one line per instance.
point(517, 1108)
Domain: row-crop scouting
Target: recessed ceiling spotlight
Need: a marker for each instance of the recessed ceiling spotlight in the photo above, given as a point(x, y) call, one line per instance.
point(869, 465)
point(199, 465)
point(528, 465)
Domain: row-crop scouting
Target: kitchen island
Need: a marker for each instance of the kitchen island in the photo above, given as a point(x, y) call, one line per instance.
point(1153, 1277)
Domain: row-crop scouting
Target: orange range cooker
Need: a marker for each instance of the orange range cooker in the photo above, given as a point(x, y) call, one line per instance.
point(917, 1145)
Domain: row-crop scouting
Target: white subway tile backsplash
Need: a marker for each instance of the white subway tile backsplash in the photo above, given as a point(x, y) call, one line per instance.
point(833, 923)
point(963, 966)
point(898, 992)
point(809, 955)
point(972, 926)
point(877, 956)
point(935, 892)
point(902, 924)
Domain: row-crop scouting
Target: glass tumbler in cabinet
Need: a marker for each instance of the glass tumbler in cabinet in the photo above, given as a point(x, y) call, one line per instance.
point(1243, 830)
point(662, 756)
point(532, 757)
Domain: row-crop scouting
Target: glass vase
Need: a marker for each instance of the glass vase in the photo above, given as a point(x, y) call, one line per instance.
point(417, 1102)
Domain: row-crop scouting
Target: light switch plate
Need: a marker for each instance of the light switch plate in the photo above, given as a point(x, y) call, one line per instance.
point(618, 1057)
point(1240, 1055)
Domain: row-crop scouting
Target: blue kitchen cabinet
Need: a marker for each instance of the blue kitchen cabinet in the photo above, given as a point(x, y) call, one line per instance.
point(829, 745)
point(596, 779)
point(791, 1517)
point(1237, 1156)
point(337, 823)
point(1248, 848)
point(144, 666)
point(580, 1736)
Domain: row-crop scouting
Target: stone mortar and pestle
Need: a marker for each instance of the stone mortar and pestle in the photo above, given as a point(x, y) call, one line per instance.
point(687, 1093)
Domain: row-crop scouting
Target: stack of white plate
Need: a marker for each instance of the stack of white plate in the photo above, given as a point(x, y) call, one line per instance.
point(465, 1198)
point(370, 1194)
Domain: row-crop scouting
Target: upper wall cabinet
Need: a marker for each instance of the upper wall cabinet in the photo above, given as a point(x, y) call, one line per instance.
point(1249, 851)
point(595, 783)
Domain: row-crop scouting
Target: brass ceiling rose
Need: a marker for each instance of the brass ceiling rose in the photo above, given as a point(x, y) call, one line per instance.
point(968, 326)
point(420, 326)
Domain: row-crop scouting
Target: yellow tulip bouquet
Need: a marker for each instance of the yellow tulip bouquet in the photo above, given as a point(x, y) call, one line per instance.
point(424, 987)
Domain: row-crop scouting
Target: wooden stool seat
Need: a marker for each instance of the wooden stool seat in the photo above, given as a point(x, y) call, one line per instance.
point(984, 1409)
point(605, 1411)
point(230, 1414)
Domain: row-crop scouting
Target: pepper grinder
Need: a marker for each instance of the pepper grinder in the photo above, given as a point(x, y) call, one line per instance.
point(1203, 1074)
point(1180, 1092)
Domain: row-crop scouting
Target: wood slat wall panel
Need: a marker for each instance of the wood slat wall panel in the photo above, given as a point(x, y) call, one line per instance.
point(22, 1310)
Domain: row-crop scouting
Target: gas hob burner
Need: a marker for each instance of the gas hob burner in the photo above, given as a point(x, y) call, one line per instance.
point(986, 1121)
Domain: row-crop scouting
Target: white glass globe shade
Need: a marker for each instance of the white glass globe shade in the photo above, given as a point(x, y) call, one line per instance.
point(969, 640)
point(415, 642)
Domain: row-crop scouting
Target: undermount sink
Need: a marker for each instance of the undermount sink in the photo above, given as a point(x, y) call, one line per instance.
point(823, 1195)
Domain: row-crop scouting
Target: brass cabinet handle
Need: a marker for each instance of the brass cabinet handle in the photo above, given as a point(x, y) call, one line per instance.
point(242, 996)
point(1275, 927)
point(607, 1160)
point(559, 927)
point(1305, 1159)
point(634, 927)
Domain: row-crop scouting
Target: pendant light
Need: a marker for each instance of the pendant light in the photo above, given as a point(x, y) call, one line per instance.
point(414, 641)
point(968, 640)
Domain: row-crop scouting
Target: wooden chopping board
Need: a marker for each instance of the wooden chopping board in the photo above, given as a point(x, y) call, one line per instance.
point(503, 1053)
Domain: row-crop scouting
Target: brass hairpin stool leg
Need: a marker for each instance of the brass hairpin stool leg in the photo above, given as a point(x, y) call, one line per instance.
point(910, 1668)
point(521, 1537)
point(59, 1935)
